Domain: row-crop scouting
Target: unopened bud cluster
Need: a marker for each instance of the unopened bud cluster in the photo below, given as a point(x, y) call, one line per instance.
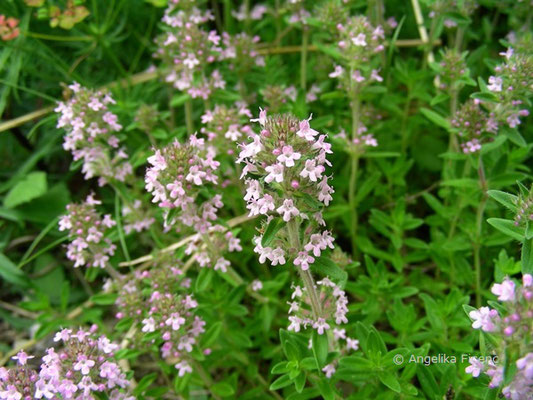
point(471, 122)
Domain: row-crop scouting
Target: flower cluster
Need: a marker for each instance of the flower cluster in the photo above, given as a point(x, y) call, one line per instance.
point(333, 303)
point(511, 327)
point(92, 134)
point(226, 125)
point(136, 217)
point(158, 301)
point(512, 86)
point(8, 28)
point(177, 180)
point(255, 14)
point(286, 163)
point(186, 50)
point(177, 174)
point(470, 122)
point(358, 42)
point(241, 52)
point(452, 70)
point(87, 229)
point(147, 117)
point(524, 204)
point(83, 367)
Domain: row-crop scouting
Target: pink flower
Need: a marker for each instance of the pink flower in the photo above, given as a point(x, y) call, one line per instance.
point(312, 171)
point(495, 84)
point(257, 285)
point(288, 156)
point(22, 357)
point(306, 131)
point(277, 256)
point(375, 76)
point(288, 210)
point(295, 324)
point(303, 260)
point(175, 321)
point(507, 54)
point(183, 367)
point(297, 292)
point(359, 40)
point(262, 117)
point(352, 344)
point(148, 325)
point(84, 365)
point(321, 325)
point(483, 318)
point(275, 172)
point(475, 367)
point(195, 175)
point(329, 370)
point(505, 291)
point(337, 72)
point(222, 264)
point(357, 76)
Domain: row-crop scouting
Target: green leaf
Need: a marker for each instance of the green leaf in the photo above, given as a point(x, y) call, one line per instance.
point(104, 299)
point(485, 96)
point(461, 182)
point(325, 266)
point(124, 324)
point(327, 392)
point(390, 380)
point(356, 363)
point(270, 232)
point(222, 389)
point(179, 100)
point(281, 382)
point(299, 382)
point(508, 227)
point(513, 135)
point(320, 348)
point(439, 98)
point(204, 279)
point(32, 186)
point(211, 335)
point(279, 368)
point(10, 273)
point(506, 199)
point(437, 119)
point(144, 383)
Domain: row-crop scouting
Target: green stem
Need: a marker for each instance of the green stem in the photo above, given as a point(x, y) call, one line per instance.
point(188, 117)
point(204, 376)
point(60, 38)
point(303, 60)
point(353, 174)
point(293, 229)
point(479, 230)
